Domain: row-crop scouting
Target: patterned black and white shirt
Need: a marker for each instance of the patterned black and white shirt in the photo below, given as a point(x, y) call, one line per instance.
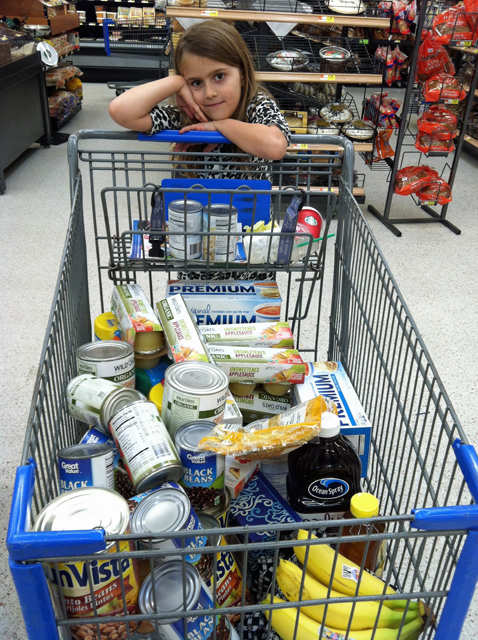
point(219, 163)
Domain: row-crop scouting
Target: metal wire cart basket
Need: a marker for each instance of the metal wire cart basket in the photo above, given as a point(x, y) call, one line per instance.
point(421, 467)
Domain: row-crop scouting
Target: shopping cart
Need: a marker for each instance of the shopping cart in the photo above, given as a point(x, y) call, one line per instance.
point(145, 39)
point(421, 467)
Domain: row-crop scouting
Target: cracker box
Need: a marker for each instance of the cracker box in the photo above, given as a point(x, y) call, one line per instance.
point(182, 336)
point(329, 379)
point(238, 472)
point(260, 504)
point(132, 311)
point(266, 334)
point(232, 413)
point(229, 301)
point(260, 405)
point(248, 364)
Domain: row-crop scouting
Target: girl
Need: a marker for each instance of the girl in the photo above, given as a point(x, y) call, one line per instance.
point(215, 89)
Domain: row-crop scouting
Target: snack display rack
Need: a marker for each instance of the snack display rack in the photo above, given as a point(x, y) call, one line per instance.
point(421, 468)
point(414, 104)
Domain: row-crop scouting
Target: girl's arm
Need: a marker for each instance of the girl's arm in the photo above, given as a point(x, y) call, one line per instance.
point(131, 109)
point(260, 140)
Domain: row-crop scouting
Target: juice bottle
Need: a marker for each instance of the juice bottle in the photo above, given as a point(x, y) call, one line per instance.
point(364, 505)
point(324, 474)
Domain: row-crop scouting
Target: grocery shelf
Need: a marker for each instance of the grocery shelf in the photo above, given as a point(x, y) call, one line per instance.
point(471, 141)
point(278, 16)
point(340, 78)
point(470, 50)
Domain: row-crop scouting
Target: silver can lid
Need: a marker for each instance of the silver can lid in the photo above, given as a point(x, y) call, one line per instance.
point(84, 509)
point(209, 522)
point(188, 436)
point(219, 209)
point(163, 510)
point(83, 451)
point(116, 401)
point(167, 589)
point(104, 351)
point(181, 206)
point(202, 378)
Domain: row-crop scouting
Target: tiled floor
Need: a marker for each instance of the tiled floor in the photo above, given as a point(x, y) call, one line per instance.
point(435, 270)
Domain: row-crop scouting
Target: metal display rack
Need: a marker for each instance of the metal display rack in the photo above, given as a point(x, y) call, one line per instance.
point(466, 64)
point(421, 468)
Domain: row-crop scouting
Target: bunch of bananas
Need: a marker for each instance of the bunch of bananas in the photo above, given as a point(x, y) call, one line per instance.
point(360, 617)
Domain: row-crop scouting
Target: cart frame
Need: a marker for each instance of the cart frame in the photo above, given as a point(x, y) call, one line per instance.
point(422, 468)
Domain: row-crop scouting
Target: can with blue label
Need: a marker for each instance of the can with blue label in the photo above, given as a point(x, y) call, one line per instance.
point(169, 510)
point(163, 593)
point(203, 476)
point(86, 465)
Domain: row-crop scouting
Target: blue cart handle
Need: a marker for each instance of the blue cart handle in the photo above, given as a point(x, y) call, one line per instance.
point(195, 137)
point(25, 545)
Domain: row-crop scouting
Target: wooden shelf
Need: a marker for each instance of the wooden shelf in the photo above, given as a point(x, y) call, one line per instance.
point(269, 16)
point(471, 50)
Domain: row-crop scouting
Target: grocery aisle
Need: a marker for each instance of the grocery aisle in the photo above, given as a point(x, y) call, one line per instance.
point(435, 270)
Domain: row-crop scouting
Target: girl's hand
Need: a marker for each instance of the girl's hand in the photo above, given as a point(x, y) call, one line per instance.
point(202, 126)
point(185, 101)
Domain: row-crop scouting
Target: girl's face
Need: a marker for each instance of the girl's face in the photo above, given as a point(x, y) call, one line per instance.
point(216, 86)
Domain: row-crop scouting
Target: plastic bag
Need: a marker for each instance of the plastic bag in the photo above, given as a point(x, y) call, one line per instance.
point(443, 86)
point(433, 59)
point(412, 179)
point(440, 120)
point(471, 7)
point(437, 191)
point(270, 438)
point(451, 24)
point(382, 146)
point(439, 142)
point(260, 244)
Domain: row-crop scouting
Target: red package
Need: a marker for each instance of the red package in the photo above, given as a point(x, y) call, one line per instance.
point(400, 13)
point(439, 142)
point(412, 179)
point(433, 59)
point(437, 191)
point(443, 86)
point(400, 58)
point(390, 75)
point(451, 24)
point(440, 120)
point(382, 146)
point(471, 7)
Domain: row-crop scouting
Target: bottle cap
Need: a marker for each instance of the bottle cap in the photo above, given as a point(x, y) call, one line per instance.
point(364, 505)
point(329, 425)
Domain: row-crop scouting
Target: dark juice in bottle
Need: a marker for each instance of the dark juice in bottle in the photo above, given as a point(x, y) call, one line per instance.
point(324, 474)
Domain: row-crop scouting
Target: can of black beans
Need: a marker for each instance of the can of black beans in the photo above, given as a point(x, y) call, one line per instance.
point(86, 465)
point(203, 476)
point(164, 592)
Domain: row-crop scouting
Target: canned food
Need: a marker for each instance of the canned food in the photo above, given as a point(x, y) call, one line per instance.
point(169, 510)
point(219, 218)
point(109, 359)
point(79, 585)
point(86, 465)
point(122, 482)
point(186, 217)
point(136, 499)
point(95, 401)
point(203, 474)
point(145, 445)
point(221, 511)
point(228, 578)
point(193, 391)
point(165, 594)
point(106, 327)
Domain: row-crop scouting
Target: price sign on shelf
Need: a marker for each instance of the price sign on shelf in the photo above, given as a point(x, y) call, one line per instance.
point(429, 202)
point(300, 146)
point(212, 14)
point(468, 138)
point(324, 189)
point(327, 76)
point(466, 43)
point(452, 101)
point(325, 18)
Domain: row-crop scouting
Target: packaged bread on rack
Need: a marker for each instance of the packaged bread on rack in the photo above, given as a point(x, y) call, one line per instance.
point(443, 87)
point(432, 59)
point(451, 25)
point(412, 179)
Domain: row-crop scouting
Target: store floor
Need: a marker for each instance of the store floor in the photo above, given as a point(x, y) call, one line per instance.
point(435, 270)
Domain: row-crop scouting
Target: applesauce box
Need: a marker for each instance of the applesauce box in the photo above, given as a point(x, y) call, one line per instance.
point(229, 301)
point(267, 334)
point(182, 335)
point(246, 364)
point(132, 311)
point(260, 405)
